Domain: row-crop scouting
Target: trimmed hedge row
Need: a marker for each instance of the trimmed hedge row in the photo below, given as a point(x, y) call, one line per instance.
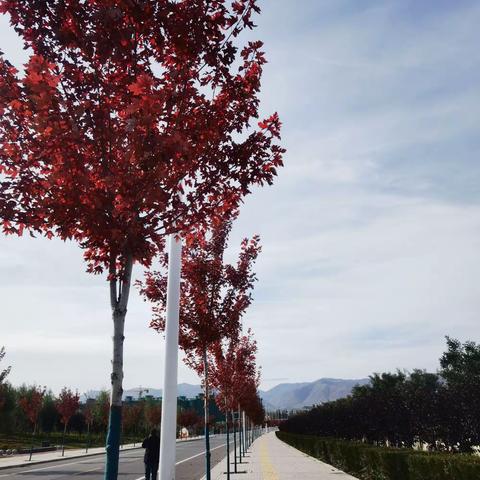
point(381, 463)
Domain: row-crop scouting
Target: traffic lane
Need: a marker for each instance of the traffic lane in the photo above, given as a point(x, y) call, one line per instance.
point(190, 457)
point(194, 468)
point(90, 468)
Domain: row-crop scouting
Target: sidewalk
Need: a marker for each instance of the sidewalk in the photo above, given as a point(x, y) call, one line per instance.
point(271, 459)
point(44, 457)
point(12, 461)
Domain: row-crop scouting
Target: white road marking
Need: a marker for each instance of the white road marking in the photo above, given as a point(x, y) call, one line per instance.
point(190, 458)
point(22, 472)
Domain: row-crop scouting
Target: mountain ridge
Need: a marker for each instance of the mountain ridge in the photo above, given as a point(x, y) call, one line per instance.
point(305, 394)
point(296, 395)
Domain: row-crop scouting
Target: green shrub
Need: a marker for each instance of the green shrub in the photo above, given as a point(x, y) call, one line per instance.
point(381, 463)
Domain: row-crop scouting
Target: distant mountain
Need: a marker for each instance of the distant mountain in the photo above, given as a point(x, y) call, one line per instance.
point(299, 395)
point(283, 396)
point(189, 391)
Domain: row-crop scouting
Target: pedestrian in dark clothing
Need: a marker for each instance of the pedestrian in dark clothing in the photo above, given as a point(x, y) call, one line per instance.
point(152, 453)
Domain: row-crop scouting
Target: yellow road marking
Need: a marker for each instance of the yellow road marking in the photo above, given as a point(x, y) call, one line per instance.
point(268, 470)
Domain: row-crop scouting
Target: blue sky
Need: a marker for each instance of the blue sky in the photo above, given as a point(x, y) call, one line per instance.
point(370, 235)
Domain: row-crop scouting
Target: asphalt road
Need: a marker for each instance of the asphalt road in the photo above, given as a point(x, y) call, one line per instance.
point(190, 464)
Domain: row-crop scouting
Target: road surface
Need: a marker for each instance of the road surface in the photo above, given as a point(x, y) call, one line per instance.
point(190, 464)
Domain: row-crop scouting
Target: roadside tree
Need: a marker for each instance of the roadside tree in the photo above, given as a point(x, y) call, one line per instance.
point(153, 414)
point(31, 404)
point(67, 405)
point(133, 120)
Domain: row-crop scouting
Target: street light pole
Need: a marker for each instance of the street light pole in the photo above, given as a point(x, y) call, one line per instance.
point(168, 434)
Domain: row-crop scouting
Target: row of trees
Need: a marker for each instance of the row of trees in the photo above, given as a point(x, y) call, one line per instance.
point(32, 410)
point(37, 412)
point(215, 295)
point(440, 411)
point(25, 408)
point(131, 121)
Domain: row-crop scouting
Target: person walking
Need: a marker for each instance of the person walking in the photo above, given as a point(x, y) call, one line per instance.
point(152, 453)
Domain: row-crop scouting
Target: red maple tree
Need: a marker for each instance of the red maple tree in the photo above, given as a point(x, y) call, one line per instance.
point(67, 405)
point(31, 404)
point(153, 414)
point(214, 296)
point(235, 378)
point(188, 418)
point(132, 417)
point(123, 106)
point(234, 370)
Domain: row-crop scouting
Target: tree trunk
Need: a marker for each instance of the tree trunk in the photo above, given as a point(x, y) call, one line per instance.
point(207, 419)
point(228, 442)
point(88, 437)
point(234, 441)
point(63, 439)
point(119, 302)
point(33, 438)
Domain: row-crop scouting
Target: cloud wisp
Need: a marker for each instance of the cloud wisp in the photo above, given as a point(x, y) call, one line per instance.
point(370, 234)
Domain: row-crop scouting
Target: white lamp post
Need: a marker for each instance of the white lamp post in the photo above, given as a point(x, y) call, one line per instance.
point(168, 434)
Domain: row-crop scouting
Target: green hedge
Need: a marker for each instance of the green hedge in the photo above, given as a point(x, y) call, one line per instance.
point(380, 463)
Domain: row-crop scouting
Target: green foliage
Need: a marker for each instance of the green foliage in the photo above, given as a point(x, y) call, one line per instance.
point(381, 463)
point(7, 410)
point(89, 423)
point(101, 409)
point(460, 367)
point(48, 417)
point(440, 410)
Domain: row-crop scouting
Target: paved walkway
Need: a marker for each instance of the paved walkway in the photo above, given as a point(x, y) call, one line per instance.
point(271, 459)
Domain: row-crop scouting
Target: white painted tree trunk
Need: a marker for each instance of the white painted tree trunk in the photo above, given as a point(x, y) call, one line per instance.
point(119, 302)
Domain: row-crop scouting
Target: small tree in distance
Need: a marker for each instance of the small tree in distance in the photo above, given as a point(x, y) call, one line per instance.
point(88, 415)
point(234, 374)
point(132, 418)
point(101, 410)
point(67, 405)
point(188, 418)
point(153, 414)
point(31, 404)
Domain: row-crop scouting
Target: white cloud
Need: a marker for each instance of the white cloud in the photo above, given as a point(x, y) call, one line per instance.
point(370, 232)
